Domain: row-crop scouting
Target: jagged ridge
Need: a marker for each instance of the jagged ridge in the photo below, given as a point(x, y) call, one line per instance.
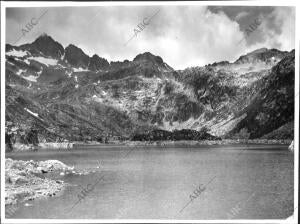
point(76, 97)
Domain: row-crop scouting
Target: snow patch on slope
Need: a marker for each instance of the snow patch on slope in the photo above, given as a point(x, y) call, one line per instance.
point(80, 69)
point(16, 53)
point(20, 72)
point(29, 111)
point(69, 73)
point(31, 78)
point(46, 61)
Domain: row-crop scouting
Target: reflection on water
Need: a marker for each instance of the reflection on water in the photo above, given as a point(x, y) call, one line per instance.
point(156, 183)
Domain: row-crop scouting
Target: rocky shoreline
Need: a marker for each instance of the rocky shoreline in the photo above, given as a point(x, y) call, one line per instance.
point(72, 145)
point(25, 180)
point(41, 146)
point(211, 142)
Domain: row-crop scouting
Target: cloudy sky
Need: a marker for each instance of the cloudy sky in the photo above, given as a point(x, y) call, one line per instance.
point(183, 36)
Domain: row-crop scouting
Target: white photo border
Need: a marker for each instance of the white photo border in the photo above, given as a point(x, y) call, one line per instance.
point(5, 5)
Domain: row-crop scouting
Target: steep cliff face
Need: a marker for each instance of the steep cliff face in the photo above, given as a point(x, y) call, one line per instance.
point(65, 94)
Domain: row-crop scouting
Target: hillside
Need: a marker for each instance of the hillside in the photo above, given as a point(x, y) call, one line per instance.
point(64, 94)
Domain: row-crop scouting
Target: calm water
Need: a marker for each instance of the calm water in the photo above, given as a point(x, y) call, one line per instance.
point(156, 183)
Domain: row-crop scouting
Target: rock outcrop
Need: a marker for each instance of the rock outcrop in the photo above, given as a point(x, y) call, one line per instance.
point(25, 180)
point(291, 146)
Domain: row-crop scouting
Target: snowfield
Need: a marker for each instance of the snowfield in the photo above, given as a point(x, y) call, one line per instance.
point(15, 53)
point(46, 61)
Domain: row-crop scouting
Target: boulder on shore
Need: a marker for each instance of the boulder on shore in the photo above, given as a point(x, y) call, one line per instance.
point(291, 147)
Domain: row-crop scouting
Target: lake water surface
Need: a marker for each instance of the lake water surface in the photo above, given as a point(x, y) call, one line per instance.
point(156, 183)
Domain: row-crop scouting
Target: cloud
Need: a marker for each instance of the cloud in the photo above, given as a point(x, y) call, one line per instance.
point(284, 20)
point(183, 36)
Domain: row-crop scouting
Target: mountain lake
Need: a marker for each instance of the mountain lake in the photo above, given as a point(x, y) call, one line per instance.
point(237, 182)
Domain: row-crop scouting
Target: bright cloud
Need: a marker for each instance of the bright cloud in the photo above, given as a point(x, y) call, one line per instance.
point(183, 36)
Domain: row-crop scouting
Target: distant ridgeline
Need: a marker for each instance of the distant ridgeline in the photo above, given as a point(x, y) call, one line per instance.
point(56, 94)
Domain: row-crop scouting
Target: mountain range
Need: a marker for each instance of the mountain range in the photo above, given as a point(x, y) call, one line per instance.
point(65, 94)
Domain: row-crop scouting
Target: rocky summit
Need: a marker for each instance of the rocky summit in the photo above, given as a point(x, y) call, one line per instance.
point(62, 94)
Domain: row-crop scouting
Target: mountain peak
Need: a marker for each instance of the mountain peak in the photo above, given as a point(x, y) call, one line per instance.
point(148, 57)
point(48, 46)
point(260, 50)
point(44, 35)
point(76, 57)
point(261, 55)
point(155, 60)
